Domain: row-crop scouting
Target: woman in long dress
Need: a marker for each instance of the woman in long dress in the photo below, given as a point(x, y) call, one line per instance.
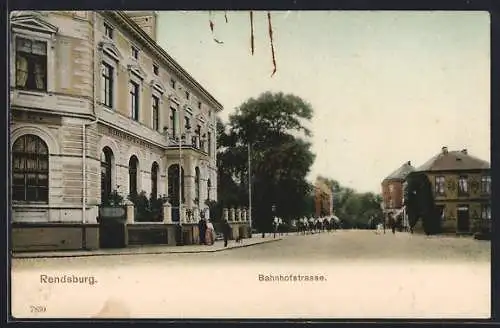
point(210, 233)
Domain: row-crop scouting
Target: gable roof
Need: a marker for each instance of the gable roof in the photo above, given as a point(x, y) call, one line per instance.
point(401, 172)
point(453, 161)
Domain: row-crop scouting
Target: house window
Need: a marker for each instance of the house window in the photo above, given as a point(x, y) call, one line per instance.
point(209, 186)
point(31, 64)
point(486, 184)
point(106, 166)
point(134, 100)
point(107, 85)
point(156, 69)
point(154, 180)
point(172, 83)
point(198, 136)
point(486, 212)
point(463, 185)
point(439, 185)
point(187, 124)
point(135, 52)
point(108, 31)
point(391, 188)
point(156, 111)
point(133, 166)
point(197, 185)
point(187, 95)
point(199, 104)
point(209, 141)
point(30, 169)
point(173, 123)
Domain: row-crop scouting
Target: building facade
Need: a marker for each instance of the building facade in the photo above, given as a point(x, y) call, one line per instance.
point(461, 184)
point(97, 106)
point(393, 192)
point(323, 198)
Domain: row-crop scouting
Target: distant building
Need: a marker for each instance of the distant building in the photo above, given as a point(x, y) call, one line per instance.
point(323, 198)
point(461, 184)
point(393, 187)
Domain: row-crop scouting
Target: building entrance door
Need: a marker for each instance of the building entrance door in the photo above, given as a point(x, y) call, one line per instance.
point(463, 224)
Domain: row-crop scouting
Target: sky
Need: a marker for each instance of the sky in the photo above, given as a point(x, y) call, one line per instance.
point(386, 87)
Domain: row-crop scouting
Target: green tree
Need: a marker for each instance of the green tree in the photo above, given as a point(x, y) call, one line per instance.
point(274, 126)
point(420, 204)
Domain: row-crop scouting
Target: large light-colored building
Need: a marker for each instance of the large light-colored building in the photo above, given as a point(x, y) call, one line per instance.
point(96, 106)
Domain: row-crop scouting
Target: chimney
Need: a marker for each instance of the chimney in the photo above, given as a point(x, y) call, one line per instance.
point(444, 150)
point(408, 163)
point(146, 20)
point(464, 151)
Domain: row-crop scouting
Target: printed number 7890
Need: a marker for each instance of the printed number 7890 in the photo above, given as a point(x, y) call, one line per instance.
point(37, 308)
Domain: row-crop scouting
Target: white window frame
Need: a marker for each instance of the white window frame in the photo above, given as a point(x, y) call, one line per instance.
point(137, 80)
point(35, 36)
point(116, 66)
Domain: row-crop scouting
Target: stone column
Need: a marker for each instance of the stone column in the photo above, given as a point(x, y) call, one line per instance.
point(231, 214)
point(225, 214)
point(167, 213)
point(130, 212)
point(238, 214)
point(244, 214)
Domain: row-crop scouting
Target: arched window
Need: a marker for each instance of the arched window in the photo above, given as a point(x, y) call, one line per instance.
point(154, 179)
point(209, 185)
point(30, 169)
point(106, 166)
point(133, 165)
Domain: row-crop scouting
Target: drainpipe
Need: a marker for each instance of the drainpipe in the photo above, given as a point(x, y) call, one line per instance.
point(84, 134)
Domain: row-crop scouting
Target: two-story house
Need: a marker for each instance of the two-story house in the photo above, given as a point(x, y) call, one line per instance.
point(461, 184)
point(393, 189)
point(323, 198)
point(96, 106)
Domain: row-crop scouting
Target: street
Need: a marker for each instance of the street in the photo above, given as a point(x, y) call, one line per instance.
point(364, 275)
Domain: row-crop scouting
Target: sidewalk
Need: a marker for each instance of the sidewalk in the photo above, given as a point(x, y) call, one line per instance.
point(152, 249)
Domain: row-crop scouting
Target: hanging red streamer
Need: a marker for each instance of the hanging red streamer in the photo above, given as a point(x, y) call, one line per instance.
point(271, 39)
point(251, 32)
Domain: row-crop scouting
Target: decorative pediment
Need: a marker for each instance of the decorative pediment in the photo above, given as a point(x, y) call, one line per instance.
point(29, 20)
point(174, 99)
point(110, 49)
point(157, 85)
point(201, 117)
point(137, 70)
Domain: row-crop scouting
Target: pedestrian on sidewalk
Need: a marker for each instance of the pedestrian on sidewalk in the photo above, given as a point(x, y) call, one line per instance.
point(202, 229)
point(226, 230)
point(210, 234)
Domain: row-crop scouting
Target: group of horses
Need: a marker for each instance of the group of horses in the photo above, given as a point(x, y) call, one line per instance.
point(305, 226)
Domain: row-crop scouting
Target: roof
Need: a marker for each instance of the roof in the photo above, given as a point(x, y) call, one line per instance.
point(401, 172)
point(453, 161)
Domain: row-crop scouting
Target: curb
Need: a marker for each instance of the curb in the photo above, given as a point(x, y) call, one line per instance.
point(143, 253)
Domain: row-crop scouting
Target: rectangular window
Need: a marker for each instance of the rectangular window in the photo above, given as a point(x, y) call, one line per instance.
point(173, 123)
point(134, 100)
point(187, 123)
point(187, 95)
point(156, 111)
point(439, 186)
point(486, 184)
point(199, 104)
point(108, 31)
point(31, 64)
point(486, 212)
point(209, 144)
point(463, 185)
point(172, 83)
point(107, 85)
point(135, 52)
point(156, 69)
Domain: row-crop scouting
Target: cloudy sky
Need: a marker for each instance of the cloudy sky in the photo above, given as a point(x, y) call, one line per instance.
point(386, 87)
